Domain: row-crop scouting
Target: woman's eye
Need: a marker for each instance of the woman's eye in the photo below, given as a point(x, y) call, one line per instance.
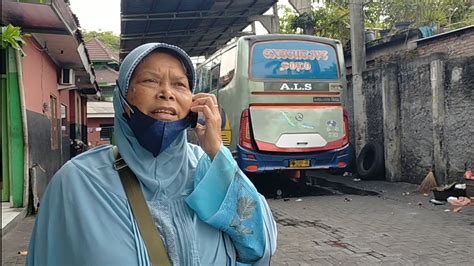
point(179, 84)
point(150, 80)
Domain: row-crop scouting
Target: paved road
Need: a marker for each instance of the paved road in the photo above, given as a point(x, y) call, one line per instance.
point(369, 230)
point(350, 230)
point(397, 227)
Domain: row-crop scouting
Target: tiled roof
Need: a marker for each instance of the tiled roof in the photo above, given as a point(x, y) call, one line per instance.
point(99, 52)
point(100, 109)
point(106, 75)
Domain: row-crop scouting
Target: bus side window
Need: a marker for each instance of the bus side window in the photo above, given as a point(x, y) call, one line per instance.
point(205, 75)
point(227, 68)
point(198, 80)
point(215, 77)
point(214, 72)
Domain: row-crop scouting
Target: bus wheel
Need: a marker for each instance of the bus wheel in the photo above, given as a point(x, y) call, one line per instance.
point(370, 162)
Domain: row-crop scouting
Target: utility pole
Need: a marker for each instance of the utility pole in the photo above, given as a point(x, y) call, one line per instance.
point(358, 66)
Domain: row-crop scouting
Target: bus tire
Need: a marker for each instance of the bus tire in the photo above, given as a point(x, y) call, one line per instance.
point(370, 162)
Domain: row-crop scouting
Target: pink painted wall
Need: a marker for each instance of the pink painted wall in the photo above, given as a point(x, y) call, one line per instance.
point(93, 136)
point(39, 77)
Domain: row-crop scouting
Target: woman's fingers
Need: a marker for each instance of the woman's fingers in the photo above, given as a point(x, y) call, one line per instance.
point(209, 101)
point(205, 109)
point(201, 96)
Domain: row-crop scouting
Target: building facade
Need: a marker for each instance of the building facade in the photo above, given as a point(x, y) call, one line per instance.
point(100, 111)
point(44, 97)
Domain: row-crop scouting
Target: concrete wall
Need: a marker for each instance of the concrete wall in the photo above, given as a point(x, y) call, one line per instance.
point(416, 122)
point(425, 107)
point(459, 126)
point(373, 100)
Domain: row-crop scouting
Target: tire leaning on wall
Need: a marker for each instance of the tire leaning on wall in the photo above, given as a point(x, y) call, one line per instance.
point(370, 162)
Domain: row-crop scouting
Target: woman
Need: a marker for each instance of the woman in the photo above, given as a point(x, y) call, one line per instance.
point(206, 210)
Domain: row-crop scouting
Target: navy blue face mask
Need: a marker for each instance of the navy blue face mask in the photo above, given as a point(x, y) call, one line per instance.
point(155, 135)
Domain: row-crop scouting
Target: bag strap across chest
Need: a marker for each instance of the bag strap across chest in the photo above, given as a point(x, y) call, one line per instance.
point(150, 234)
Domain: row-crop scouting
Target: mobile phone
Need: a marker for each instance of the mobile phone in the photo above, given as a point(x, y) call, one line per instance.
point(197, 118)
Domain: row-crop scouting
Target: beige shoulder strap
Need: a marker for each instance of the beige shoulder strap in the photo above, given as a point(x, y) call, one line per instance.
point(150, 234)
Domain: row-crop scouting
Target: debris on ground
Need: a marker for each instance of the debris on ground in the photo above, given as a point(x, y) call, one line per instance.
point(356, 179)
point(286, 199)
point(437, 202)
point(298, 200)
point(459, 201)
point(347, 174)
point(405, 193)
point(450, 190)
point(447, 210)
point(468, 174)
point(279, 193)
point(347, 199)
point(429, 182)
point(426, 194)
point(23, 252)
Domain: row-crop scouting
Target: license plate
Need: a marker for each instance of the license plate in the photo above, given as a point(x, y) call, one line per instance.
point(300, 163)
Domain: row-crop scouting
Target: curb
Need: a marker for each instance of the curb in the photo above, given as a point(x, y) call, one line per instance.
point(14, 222)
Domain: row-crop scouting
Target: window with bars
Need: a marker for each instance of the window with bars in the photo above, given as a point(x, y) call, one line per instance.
point(106, 131)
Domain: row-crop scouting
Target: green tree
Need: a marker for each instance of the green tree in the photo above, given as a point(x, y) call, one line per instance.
point(286, 19)
point(331, 17)
point(11, 37)
point(442, 13)
point(111, 40)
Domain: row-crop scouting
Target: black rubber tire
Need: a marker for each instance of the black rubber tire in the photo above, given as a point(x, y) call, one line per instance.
point(370, 162)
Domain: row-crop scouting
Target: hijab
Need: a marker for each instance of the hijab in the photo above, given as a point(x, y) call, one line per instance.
point(167, 175)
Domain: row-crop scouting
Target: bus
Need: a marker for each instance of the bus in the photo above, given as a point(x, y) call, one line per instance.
point(283, 99)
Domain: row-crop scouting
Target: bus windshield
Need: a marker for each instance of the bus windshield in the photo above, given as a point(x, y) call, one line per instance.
point(293, 60)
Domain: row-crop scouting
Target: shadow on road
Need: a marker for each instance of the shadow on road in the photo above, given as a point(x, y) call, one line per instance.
point(279, 185)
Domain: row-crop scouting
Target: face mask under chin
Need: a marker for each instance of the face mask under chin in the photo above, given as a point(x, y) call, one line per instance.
point(155, 135)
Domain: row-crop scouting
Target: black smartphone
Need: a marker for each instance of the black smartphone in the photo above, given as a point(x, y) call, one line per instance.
point(193, 118)
point(198, 118)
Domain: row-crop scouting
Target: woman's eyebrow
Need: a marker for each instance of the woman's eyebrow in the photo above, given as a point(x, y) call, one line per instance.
point(147, 72)
point(180, 78)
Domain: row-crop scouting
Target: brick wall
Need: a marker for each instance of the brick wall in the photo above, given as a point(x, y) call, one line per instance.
point(456, 44)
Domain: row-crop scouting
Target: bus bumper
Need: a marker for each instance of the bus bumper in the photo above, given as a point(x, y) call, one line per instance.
point(256, 162)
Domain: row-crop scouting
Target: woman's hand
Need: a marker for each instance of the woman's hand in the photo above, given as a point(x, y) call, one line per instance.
point(209, 135)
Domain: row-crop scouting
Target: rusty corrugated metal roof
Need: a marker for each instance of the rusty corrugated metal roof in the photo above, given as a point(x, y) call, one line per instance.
point(99, 52)
point(198, 26)
point(106, 75)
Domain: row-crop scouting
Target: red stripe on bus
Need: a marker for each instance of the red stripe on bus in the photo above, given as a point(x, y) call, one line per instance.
point(265, 146)
point(293, 93)
point(293, 105)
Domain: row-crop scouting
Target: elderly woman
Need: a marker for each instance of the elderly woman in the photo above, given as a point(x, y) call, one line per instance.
point(206, 210)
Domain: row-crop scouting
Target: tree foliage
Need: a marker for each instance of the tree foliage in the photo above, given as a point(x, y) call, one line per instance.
point(11, 37)
point(111, 40)
point(330, 18)
point(439, 13)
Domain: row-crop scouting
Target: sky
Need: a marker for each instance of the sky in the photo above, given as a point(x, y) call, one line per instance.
point(95, 15)
point(104, 15)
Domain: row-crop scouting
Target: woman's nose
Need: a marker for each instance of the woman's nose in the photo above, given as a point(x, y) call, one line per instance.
point(165, 92)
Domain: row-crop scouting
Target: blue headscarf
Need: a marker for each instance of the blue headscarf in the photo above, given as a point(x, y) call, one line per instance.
point(168, 172)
